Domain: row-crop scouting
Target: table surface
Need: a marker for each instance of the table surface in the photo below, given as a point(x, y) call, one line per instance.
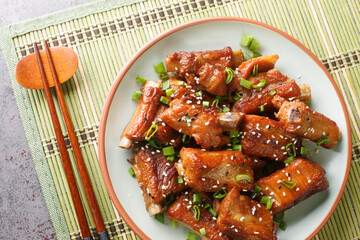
point(19, 186)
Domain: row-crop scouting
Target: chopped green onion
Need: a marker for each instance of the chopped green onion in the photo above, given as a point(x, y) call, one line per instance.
point(255, 55)
point(196, 211)
point(235, 141)
point(257, 188)
point(220, 194)
point(234, 134)
point(236, 96)
point(247, 55)
point(160, 217)
point(169, 199)
point(171, 158)
point(152, 129)
point(230, 74)
point(288, 184)
point(163, 75)
point(155, 143)
point(261, 84)
point(180, 179)
point(245, 177)
point(254, 45)
point(303, 150)
point(164, 100)
point(185, 139)
point(282, 225)
point(191, 236)
point(225, 109)
point(307, 103)
point(169, 91)
point(246, 40)
point(211, 210)
point(174, 223)
point(136, 95)
point(180, 83)
point(141, 80)
point(222, 98)
point(237, 147)
point(322, 140)
point(202, 231)
point(262, 108)
point(197, 199)
point(279, 217)
point(215, 102)
point(245, 83)
point(289, 160)
point(206, 104)
point(267, 201)
point(255, 70)
point(165, 85)
point(168, 151)
point(293, 152)
point(272, 92)
point(159, 68)
point(132, 172)
point(199, 93)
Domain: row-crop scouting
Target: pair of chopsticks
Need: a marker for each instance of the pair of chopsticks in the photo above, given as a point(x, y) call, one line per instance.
point(80, 213)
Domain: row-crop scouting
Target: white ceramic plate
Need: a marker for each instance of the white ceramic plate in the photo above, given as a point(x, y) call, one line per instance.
point(305, 219)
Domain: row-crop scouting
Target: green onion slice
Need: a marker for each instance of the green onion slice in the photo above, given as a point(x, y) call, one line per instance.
point(289, 147)
point(322, 140)
point(210, 209)
point(203, 231)
point(174, 223)
point(199, 93)
point(225, 109)
point(236, 96)
point(257, 188)
point(140, 80)
point(245, 177)
point(254, 45)
point(262, 108)
point(255, 70)
point(220, 194)
point(170, 158)
point(279, 217)
point(245, 83)
point(180, 83)
point(169, 91)
point(164, 100)
point(152, 130)
point(261, 84)
point(191, 236)
point(159, 68)
point(282, 225)
point(234, 134)
point(197, 199)
point(160, 217)
point(237, 147)
point(246, 40)
point(272, 92)
point(215, 102)
point(206, 104)
point(196, 211)
point(185, 139)
point(131, 171)
point(163, 75)
point(180, 179)
point(255, 55)
point(136, 95)
point(289, 160)
point(230, 74)
point(155, 143)
point(267, 201)
point(303, 150)
point(288, 184)
point(165, 85)
point(169, 199)
point(235, 141)
point(168, 151)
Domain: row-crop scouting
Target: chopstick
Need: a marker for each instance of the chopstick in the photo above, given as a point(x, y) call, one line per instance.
point(89, 192)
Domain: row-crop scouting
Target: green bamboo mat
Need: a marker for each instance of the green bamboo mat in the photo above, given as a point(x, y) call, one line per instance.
point(106, 34)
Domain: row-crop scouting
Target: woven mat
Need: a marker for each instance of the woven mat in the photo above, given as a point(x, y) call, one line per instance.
point(105, 35)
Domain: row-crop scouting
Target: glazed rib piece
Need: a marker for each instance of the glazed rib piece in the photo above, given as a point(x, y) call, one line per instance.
point(264, 137)
point(144, 115)
point(305, 177)
point(241, 217)
point(210, 171)
point(264, 63)
point(197, 121)
point(156, 176)
point(206, 68)
point(297, 118)
point(230, 121)
point(182, 211)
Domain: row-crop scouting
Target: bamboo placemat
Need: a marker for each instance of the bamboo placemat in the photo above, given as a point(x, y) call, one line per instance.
point(105, 34)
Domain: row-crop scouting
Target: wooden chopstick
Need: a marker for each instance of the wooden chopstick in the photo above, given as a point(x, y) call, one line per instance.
point(89, 192)
point(79, 210)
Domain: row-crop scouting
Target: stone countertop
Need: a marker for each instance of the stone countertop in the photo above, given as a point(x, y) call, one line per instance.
point(23, 212)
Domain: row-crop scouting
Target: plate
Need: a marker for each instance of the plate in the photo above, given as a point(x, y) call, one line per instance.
point(296, 61)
